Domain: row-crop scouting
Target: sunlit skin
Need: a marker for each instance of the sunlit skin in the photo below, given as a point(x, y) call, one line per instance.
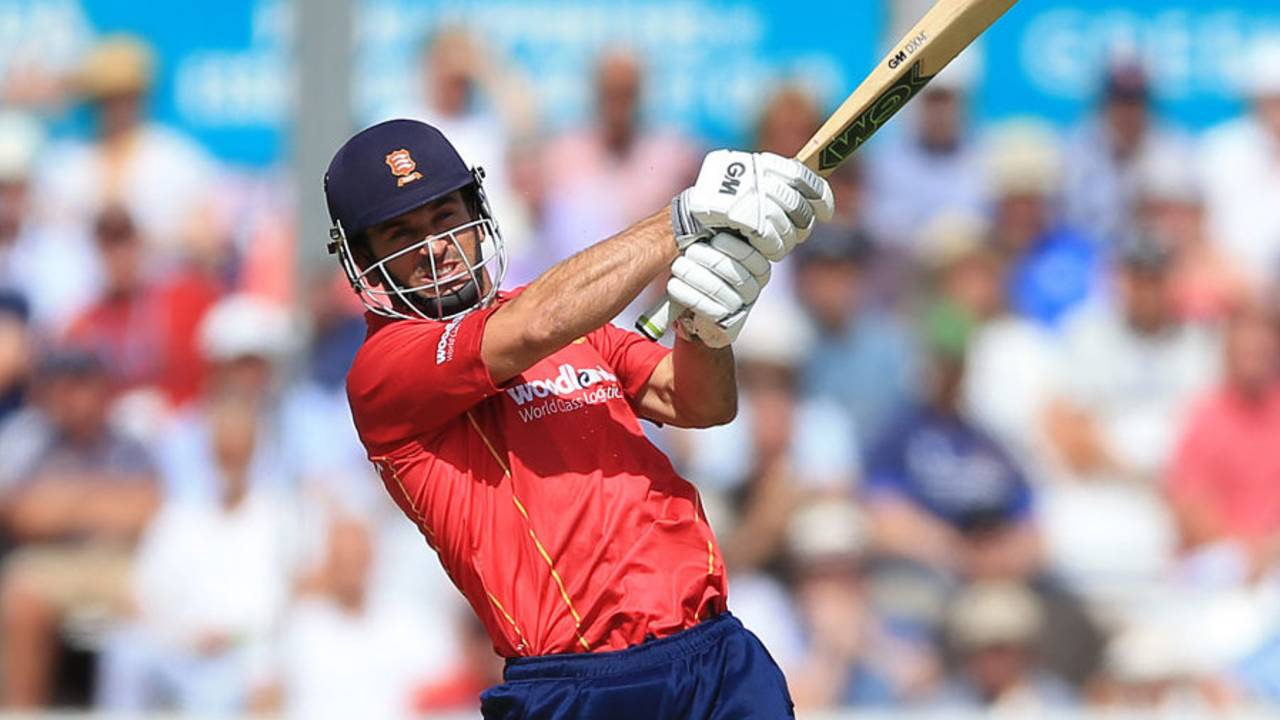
point(413, 269)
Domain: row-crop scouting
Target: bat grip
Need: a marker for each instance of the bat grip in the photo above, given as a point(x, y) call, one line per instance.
point(653, 324)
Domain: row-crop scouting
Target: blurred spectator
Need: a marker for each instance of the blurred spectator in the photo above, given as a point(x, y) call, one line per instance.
point(1129, 372)
point(615, 171)
point(993, 627)
point(160, 176)
point(244, 341)
point(54, 271)
point(16, 355)
point(122, 326)
point(74, 496)
point(198, 638)
point(315, 415)
point(780, 447)
point(1223, 478)
point(343, 655)
point(960, 266)
point(478, 669)
point(1207, 281)
point(483, 107)
point(1108, 150)
point(941, 492)
point(144, 329)
point(1242, 173)
point(790, 117)
point(1131, 369)
point(863, 358)
point(1009, 367)
point(850, 659)
point(933, 166)
point(1052, 267)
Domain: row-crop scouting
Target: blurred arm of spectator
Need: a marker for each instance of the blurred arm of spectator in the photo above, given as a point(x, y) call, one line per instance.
point(758, 534)
point(900, 528)
point(1075, 435)
point(81, 477)
point(99, 504)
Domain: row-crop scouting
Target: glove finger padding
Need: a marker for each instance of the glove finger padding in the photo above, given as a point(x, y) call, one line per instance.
point(738, 249)
point(796, 208)
point(739, 278)
point(700, 282)
point(803, 180)
point(698, 287)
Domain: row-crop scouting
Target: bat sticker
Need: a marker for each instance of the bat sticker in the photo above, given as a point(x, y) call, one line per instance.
point(866, 124)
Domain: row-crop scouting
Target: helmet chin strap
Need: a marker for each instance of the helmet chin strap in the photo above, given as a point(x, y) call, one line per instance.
point(464, 298)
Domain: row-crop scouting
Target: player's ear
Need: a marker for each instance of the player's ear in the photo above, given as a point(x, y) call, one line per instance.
point(362, 253)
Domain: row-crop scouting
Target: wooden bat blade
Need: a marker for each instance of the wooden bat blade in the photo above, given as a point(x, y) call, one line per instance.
point(948, 28)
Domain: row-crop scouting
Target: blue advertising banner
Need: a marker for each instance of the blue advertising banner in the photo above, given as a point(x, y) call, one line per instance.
point(221, 68)
point(224, 67)
point(1046, 57)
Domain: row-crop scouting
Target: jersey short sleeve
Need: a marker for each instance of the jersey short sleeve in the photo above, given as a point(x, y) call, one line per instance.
point(411, 377)
point(632, 356)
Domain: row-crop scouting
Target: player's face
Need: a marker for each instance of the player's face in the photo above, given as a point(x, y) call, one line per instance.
point(450, 254)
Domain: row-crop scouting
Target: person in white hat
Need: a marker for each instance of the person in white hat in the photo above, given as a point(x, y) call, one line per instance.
point(160, 175)
point(994, 627)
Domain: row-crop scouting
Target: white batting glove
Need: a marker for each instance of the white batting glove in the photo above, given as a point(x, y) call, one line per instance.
point(770, 200)
point(717, 280)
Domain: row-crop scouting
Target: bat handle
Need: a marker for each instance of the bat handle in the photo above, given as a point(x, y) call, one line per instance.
point(653, 324)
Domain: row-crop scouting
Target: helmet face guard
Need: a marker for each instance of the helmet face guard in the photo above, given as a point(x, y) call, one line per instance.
point(440, 297)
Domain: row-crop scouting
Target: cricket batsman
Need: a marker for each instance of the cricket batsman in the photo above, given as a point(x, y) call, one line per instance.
point(506, 425)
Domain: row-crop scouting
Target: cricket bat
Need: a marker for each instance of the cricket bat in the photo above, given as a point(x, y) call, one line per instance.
point(948, 28)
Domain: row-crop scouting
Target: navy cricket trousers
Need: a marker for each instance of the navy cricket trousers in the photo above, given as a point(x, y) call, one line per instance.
point(717, 670)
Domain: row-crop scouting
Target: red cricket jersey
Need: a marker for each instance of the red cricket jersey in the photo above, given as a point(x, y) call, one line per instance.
point(564, 527)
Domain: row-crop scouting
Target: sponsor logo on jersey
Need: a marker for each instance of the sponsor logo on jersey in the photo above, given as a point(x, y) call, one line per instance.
point(403, 167)
point(567, 381)
point(444, 348)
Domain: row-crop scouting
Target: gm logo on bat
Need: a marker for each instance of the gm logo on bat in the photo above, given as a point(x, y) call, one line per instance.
point(907, 51)
point(729, 186)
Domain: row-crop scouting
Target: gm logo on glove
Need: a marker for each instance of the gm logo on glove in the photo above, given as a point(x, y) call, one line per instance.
point(729, 186)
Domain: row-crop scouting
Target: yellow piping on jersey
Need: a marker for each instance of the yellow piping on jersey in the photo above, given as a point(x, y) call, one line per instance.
point(564, 594)
point(386, 467)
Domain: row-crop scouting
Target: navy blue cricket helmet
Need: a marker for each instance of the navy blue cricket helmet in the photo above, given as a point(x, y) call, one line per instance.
point(393, 168)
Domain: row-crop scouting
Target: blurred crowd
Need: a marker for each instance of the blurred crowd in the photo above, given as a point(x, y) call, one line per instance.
point(1009, 430)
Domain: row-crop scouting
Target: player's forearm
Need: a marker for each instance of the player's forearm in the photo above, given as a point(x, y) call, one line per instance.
point(705, 388)
point(577, 296)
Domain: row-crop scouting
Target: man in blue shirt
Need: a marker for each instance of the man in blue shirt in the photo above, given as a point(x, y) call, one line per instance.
point(942, 492)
